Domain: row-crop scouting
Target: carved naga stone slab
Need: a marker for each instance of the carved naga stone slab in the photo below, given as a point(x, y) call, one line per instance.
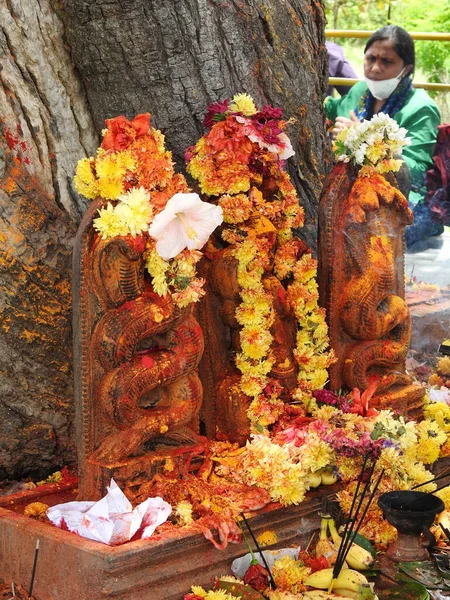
point(136, 353)
point(361, 283)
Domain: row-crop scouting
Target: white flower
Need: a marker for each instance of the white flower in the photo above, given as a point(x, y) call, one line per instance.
point(185, 222)
point(381, 131)
point(360, 154)
point(439, 395)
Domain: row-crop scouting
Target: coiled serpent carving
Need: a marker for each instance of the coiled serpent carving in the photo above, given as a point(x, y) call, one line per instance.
point(139, 352)
point(361, 279)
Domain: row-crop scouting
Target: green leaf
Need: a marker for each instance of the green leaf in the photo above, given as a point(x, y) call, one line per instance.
point(362, 541)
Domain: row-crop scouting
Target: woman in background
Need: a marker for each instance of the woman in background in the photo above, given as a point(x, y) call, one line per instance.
point(389, 61)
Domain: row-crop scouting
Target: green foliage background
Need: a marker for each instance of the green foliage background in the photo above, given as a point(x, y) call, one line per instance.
point(432, 58)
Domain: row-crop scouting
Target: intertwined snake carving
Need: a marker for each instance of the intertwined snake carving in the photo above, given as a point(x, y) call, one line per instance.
point(361, 282)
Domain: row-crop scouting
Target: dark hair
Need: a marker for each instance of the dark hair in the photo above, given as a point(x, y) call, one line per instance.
point(401, 40)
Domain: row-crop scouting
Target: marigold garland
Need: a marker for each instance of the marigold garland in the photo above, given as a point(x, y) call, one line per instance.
point(240, 161)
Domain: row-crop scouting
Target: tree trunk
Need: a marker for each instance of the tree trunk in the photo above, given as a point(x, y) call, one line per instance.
point(45, 128)
point(173, 57)
point(66, 65)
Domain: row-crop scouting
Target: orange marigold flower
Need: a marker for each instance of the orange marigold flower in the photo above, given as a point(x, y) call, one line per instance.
point(121, 132)
point(236, 208)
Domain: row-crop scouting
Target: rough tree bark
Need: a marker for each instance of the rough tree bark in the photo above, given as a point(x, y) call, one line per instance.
point(45, 128)
point(66, 65)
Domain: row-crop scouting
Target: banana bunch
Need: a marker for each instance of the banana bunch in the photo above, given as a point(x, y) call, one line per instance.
point(357, 558)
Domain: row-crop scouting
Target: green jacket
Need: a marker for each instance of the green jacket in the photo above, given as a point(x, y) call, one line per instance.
point(419, 115)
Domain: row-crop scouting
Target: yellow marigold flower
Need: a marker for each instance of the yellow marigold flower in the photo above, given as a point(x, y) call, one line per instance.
point(135, 210)
point(108, 223)
point(282, 595)
point(255, 343)
point(264, 411)
point(316, 454)
point(36, 510)
point(244, 104)
point(267, 538)
point(443, 365)
point(199, 591)
point(157, 267)
point(125, 161)
point(430, 430)
point(108, 167)
point(376, 151)
point(444, 495)
point(256, 369)
point(110, 189)
point(288, 573)
point(427, 451)
point(84, 180)
point(439, 412)
point(387, 165)
point(183, 513)
point(252, 385)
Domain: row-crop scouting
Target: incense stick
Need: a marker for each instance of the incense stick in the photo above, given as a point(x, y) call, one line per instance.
point(258, 547)
point(441, 476)
point(33, 573)
point(446, 531)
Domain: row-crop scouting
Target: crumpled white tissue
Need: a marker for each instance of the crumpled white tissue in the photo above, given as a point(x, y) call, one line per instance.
point(111, 520)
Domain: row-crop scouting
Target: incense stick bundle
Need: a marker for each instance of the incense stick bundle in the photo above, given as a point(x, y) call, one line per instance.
point(356, 516)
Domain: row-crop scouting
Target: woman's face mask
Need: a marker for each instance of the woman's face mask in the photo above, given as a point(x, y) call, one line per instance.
point(384, 88)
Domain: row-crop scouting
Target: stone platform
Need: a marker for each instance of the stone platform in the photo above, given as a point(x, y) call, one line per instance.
point(430, 313)
point(162, 568)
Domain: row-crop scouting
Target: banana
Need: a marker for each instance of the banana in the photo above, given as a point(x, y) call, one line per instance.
point(365, 592)
point(348, 579)
point(328, 476)
point(321, 595)
point(346, 593)
point(314, 479)
point(358, 558)
point(324, 546)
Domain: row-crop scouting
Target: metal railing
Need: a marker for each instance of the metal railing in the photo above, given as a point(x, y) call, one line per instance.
point(355, 33)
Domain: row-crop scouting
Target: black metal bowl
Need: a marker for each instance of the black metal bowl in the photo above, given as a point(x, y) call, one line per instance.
point(409, 511)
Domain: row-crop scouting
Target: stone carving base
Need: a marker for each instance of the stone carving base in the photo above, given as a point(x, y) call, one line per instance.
point(135, 471)
point(162, 568)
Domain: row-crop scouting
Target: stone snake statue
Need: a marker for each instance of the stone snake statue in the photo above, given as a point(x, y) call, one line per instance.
point(361, 283)
point(136, 358)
